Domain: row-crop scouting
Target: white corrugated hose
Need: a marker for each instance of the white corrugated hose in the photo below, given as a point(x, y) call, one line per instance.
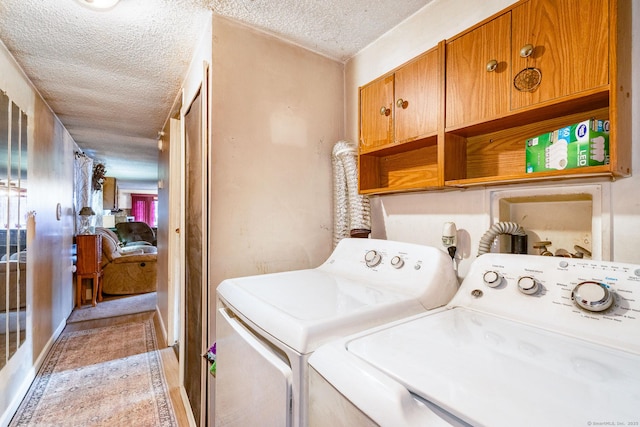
point(351, 210)
point(498, 228)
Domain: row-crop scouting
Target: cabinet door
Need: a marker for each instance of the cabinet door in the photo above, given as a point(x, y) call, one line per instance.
point(571, 47)
point(89, 248)
point(473, 92)
point(417, 94)
point(376, 113)
point(109, 194)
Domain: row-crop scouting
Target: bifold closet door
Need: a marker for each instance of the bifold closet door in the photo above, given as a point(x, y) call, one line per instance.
point(194, 309)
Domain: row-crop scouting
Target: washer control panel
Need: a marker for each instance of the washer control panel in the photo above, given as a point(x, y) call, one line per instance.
point(599, 300)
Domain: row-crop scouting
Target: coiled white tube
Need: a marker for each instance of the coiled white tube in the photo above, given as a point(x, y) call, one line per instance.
point(351, 210)
point(496, 229)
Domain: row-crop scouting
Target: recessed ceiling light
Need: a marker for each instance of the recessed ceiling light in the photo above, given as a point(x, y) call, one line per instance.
point(98, 4)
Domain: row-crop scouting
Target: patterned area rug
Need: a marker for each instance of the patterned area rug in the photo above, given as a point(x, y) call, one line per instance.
point(100, 377)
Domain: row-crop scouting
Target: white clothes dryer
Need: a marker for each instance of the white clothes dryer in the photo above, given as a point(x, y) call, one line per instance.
point(527, 341)
point(267, 326)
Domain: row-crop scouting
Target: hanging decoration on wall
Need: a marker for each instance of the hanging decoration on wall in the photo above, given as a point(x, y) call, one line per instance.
point(528, 79)
point(99, 172)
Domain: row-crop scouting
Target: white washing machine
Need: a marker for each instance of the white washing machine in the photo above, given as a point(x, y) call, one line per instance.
point(267, 326)
point(526, 341)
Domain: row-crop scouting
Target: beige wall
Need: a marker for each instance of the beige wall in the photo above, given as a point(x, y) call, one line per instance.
point(419, 217)
point(277, 112)
point(50, 181)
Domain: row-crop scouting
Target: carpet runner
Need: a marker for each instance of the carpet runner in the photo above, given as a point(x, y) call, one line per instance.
point(109, 376)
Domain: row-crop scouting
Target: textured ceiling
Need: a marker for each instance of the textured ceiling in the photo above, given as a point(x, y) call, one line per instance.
point(112, 77)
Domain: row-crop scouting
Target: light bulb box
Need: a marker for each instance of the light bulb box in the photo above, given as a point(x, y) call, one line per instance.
point(581, 144)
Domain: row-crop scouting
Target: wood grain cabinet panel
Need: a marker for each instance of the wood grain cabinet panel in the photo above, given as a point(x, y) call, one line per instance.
point(376, 113)
point(417, 106)
point(109, 194)
point(478, 73)
point(570, 40)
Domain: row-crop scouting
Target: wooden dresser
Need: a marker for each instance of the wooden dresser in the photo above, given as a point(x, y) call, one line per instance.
point(89, 249)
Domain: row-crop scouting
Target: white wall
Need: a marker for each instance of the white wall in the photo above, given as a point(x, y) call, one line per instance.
point(419, 217)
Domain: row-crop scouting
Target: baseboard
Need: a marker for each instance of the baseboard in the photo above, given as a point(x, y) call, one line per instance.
point(187, 406)
point(27, 380)
point(163, 328)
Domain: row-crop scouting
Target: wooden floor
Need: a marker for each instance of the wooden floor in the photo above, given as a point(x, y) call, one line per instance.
point(168, 356)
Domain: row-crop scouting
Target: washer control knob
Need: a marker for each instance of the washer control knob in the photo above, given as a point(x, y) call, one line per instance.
point(397, 262)
point(592, 296)
point(528, 285)
point(492, 279)
point(372, 258)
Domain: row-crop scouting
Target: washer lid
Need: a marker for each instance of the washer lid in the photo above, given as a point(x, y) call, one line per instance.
point(490, 371)
point(306, 308)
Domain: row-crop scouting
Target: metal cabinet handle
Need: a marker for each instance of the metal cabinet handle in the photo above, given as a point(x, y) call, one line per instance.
point(526, 50)
point(401, 103)
point(384, 111)
point(492, 65)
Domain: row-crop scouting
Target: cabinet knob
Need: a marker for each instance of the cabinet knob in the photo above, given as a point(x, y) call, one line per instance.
point(492, 65)
point(401, 103)
point(526, 50)
point(384, 111)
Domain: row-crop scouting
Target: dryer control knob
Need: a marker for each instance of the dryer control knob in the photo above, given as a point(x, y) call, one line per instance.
point(528, 285)
point(492, 279)
point(372, 258)
point(397, 262)
point(592, 296)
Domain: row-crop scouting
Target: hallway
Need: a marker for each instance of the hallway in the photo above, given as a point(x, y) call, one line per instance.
point(166, 354)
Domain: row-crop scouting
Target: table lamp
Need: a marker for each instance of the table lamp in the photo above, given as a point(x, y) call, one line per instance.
point(85, 220)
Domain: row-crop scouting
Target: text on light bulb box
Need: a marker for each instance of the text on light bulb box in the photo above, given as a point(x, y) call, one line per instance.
point(581, 144)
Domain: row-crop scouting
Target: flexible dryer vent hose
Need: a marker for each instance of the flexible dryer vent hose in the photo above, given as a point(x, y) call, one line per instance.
point(351, 210)
point(496, 229)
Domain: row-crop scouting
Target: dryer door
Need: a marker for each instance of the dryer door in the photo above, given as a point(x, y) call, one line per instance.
point(253, 383)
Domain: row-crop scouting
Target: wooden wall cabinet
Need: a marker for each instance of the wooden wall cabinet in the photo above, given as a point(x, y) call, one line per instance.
point(583, 52)
point(568, 41)
point(109, 194)
point(400, 115)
